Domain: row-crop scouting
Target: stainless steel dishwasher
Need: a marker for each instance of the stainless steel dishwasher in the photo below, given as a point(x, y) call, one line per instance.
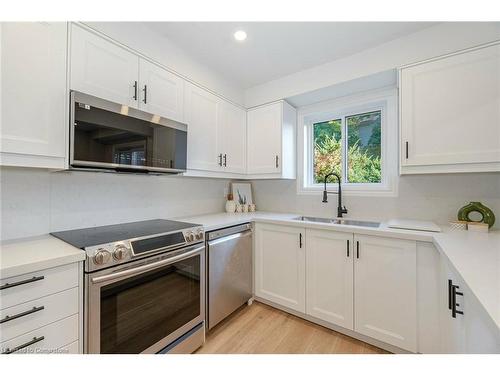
point(229, 271)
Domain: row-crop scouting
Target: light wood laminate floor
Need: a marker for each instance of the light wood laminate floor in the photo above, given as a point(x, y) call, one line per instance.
point(261, 329)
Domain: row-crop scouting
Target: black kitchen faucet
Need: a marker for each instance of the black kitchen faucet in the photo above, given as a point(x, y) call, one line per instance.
point(340, 210)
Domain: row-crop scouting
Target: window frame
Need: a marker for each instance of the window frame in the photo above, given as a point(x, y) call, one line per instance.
point(384, 100)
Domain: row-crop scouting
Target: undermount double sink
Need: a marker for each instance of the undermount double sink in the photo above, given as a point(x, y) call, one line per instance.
point(357, 223)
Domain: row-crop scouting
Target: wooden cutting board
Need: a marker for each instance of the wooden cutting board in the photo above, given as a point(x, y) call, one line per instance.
point(409, 224)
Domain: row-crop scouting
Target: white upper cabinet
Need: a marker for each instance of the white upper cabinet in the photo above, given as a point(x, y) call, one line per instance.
point(450, 117)
point(271, 146)
point(280, 265)
point(33, 118)
point(216, 132)
point(385, 284)
point(201, 110)
point(329, 276)
point(161, 92)
point(103, 69)
point(231, 131)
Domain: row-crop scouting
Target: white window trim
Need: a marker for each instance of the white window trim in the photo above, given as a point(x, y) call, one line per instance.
point(385, 99)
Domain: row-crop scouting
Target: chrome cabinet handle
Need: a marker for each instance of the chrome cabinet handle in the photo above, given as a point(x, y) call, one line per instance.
point(145, 94)
point(24, 313)
point(225, 160)
point(300, 240)
point(146, 267)
point(357, 249)
point(277, 161)
point(348, 248)
point(22, 346)
point(135, 90)
point(12, 285)
point(220, 160)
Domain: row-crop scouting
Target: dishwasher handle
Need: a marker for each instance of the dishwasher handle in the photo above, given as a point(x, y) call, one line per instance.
point(230, 237)
point(228, 231)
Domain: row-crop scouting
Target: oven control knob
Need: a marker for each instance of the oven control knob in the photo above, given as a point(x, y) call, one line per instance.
point(120, 252)
point(102, 256)
point(190, 237)
point(199, 235)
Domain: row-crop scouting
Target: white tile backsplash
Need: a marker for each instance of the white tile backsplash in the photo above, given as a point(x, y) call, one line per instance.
point(37, 202)
point(424, 197)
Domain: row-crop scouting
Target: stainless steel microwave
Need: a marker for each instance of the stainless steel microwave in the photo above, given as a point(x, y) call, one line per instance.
point(114, 137)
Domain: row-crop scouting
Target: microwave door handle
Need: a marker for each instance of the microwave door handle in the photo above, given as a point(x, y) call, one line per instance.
point(146, 267)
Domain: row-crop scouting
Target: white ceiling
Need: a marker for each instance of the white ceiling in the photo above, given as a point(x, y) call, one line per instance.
point(276, 49)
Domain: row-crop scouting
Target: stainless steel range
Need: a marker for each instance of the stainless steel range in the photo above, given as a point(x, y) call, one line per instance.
point(144, 286)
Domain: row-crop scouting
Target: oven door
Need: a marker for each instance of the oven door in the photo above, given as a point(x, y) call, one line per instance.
point(143, 306)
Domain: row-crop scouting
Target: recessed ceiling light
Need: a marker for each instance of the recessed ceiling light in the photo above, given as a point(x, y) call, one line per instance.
point(240, 35)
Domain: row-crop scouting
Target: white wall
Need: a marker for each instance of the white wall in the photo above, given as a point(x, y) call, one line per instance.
point(138, 36)
point(429, 197)
point(37, 202)
point(434, 41)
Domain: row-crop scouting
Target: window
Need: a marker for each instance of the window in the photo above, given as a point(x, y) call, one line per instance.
point(356, 138)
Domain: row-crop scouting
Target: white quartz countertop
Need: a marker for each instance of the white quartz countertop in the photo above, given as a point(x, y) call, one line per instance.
point(18, 257)
point(220, 220)
point(474, 256)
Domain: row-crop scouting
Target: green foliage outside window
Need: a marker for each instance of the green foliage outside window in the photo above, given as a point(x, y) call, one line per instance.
point(363, 148)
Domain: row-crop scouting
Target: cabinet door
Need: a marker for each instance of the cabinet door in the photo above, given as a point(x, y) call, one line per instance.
point(385, 290)
point(103, 69)
point(449, 110)
point(232, 125)
point(264, 139)
point(203, 151)
point(471, 332)
point(161, 92)
point(33, 91)
point(329, 276)
point(452, 329)
point(280, 265)
point(481, 332)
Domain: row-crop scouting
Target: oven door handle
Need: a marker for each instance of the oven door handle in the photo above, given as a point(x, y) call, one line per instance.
point(146, 267)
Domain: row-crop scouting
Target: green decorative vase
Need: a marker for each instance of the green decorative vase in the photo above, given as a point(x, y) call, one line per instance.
point(487, 215)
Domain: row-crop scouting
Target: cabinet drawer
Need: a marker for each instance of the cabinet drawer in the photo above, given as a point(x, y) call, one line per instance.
point(24, 288)
point(69, 349)
point(25, 317)
point(44, 340)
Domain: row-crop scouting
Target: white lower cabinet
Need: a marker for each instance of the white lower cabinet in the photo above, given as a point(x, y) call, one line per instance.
point(385, 290)
point(465, 328)
point(280, 265)
point(366, 284)
point(52, 338)
point(452, 329)
point(329, 277)
point(41, 312)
